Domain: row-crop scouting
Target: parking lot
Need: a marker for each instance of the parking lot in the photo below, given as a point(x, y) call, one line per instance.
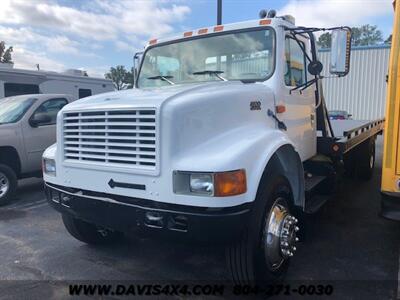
point(350, 246)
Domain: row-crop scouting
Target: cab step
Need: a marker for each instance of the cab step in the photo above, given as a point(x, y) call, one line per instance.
point(314, 203)
point(312, 182)
point(314, 199)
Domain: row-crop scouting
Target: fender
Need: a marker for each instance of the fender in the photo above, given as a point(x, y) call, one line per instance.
point(249, 147)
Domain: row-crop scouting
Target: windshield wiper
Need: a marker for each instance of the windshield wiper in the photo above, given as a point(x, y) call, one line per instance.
point(211, 72)
point(163, 78)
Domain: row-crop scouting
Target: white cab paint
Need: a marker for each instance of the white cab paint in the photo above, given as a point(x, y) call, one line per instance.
point(201, 127)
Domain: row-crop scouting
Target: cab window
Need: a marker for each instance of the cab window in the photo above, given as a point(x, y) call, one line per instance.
point(48, 110)
point(295, 67)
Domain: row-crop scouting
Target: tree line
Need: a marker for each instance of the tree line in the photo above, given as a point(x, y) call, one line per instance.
point(5, 54)
point(365, 35)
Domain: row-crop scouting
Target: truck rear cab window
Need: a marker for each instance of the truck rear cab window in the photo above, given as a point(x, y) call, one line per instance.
point(15, 89)
point(85, 93)
point(50, 108)
point(295, 70)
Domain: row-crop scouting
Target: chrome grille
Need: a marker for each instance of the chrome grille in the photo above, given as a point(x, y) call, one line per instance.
point(124, 138)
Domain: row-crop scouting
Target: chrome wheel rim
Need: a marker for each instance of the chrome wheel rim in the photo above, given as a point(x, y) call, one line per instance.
point(371, 161)
point(4, 185)
point(279, 235)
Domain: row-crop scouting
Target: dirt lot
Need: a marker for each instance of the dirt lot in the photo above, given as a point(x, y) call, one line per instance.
point(350, 247)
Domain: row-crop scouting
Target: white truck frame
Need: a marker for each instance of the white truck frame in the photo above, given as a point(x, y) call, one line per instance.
point(14, 82)
point(238, 161)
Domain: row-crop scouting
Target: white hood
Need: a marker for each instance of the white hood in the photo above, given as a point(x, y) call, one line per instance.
point(149, 97)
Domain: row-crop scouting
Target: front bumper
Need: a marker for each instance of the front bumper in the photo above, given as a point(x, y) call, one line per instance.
point(128, 214)
point(390, 205)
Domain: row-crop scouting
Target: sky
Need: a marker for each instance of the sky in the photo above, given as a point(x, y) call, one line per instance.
point(94, 35)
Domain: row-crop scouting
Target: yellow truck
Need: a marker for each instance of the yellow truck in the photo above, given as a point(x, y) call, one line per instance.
point(390, 187)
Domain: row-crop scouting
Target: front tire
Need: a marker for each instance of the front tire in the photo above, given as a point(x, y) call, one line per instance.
point(89, 233)
point(8, 184)
point(262, 254)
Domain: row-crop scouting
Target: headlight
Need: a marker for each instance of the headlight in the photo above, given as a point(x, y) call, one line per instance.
point(201, 183)
point(219, 184)
point(49, 166)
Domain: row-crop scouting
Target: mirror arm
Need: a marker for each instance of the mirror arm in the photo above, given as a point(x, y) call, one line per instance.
point(302, 30)
point(301, 45)
point(135, 73)
point(303, 86)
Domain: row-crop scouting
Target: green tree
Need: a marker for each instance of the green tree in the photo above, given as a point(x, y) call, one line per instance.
point(389, 40)
point(365, 35)
point(121, 78)
point(324, 40)
point(5, 54)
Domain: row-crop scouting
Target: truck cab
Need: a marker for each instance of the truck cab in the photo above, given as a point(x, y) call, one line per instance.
point(225, 137)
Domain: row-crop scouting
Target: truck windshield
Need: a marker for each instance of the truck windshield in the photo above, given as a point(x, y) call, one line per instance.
point(12, 109)
point(231, 56)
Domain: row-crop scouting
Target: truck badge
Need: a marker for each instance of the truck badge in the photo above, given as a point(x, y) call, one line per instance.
point(255, 105)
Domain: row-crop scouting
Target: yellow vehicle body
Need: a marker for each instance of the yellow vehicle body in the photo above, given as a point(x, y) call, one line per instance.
point(390, 187)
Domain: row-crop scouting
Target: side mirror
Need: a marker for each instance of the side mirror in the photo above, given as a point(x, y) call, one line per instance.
point(39, 119)
point(340, 52)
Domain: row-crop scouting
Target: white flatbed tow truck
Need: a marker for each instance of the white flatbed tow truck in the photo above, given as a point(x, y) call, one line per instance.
point(225, 137)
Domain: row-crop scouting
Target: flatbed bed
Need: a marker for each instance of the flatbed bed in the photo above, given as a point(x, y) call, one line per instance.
point(348, 134)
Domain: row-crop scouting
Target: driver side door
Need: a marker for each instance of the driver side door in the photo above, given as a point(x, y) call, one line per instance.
point(300, 104)
point(37, 137)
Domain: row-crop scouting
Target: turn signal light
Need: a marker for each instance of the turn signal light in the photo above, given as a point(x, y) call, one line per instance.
point(265, 22)
point(203, 31)
point(230, 183)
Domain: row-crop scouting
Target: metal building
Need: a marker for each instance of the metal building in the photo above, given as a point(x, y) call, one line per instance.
point(362, 92)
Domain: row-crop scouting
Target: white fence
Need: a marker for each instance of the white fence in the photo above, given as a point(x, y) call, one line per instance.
point(363, 91)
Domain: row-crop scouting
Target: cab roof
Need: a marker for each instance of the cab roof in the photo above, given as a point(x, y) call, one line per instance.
point(273, 22)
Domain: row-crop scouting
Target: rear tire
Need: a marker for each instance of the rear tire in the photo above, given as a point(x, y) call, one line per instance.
point(366, 160)
point(89, 233)
point(8, 184)
point(258, 256)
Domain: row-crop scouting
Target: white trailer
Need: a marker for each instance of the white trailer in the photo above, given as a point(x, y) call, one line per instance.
point(15, 82)
point(225, 138)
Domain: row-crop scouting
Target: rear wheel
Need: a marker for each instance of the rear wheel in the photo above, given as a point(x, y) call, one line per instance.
point(89, 233)
point(8, 184)
point(263, 252)
point(366, 159)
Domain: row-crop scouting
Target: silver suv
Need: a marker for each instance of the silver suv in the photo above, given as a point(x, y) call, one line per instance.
point(27, 128)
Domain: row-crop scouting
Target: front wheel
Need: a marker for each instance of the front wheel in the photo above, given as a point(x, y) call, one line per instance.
point(89, 233)
point(8, 184)
point(267, 244)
